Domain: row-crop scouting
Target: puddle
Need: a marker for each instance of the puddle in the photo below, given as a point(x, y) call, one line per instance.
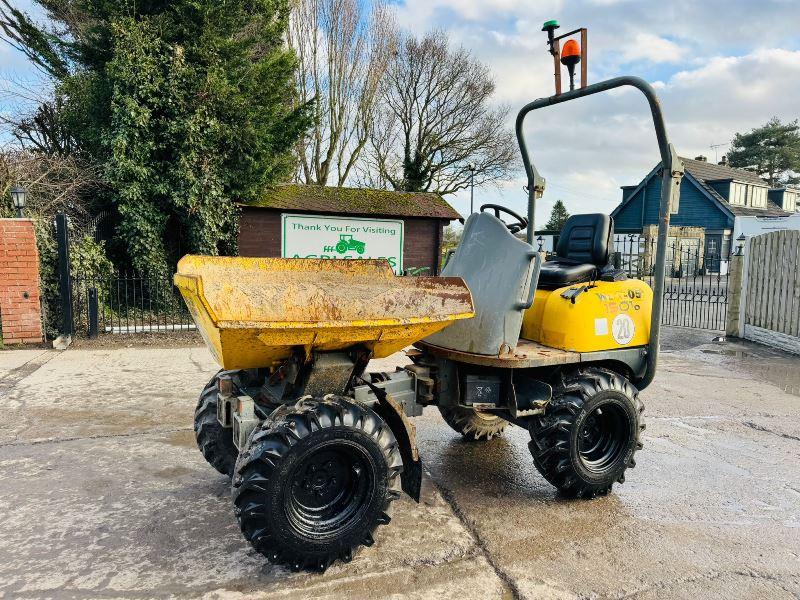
point(761, 363)
point(172, 472)
point(735, 353)
point(183, 439)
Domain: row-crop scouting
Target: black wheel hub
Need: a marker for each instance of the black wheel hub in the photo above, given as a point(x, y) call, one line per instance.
point(602, 438)
point(330, 488)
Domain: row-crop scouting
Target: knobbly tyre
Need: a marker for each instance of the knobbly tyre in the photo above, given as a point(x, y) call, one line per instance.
point(318, 449)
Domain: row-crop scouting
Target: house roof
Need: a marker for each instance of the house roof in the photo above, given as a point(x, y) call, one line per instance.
point(702, 172)
point(707, 171)
point(354, 201)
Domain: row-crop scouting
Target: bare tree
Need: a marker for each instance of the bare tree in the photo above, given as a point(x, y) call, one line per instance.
point(435, 118)
point(343, 54)
point(54, 183)
point(43, 130)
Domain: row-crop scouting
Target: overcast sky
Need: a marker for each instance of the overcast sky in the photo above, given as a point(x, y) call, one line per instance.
point(720, 66)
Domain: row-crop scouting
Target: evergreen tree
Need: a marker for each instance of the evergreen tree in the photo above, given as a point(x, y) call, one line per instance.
point(772, 151)
point(187, 105)
point(558, 216)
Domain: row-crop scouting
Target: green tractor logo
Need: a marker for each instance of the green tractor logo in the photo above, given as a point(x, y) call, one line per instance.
point(346, 243)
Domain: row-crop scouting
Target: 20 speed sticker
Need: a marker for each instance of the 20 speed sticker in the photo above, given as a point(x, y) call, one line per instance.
point(623, 329)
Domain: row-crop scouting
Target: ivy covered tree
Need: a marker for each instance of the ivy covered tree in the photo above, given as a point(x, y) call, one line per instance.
point(772, 151)
point(186, 105)
point(558, 216)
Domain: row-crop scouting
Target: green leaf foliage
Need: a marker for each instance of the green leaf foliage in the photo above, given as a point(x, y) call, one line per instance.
point(558, 216)
point(772, 151)
point(187, 105)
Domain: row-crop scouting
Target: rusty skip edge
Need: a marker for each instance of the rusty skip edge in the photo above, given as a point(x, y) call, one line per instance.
point(443, 288)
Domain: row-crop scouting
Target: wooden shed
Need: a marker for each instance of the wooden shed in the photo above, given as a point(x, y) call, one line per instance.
point(305, 221)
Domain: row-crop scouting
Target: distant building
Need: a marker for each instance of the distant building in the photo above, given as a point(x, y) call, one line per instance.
point(715, 200)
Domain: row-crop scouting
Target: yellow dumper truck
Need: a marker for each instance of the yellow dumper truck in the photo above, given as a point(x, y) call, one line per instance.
point(318, 448)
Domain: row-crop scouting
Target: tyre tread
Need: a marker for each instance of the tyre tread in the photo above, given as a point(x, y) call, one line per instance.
point(550, 433)
point(272, 440)
point(468, 424)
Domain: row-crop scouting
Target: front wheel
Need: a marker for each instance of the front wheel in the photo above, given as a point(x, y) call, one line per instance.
point(586, 440)
point(214, 441)
point(315, 480)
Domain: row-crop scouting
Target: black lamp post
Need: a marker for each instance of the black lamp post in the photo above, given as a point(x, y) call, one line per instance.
point(740, 249)
point(18, 198)
point(540, 239)
point(471, 167)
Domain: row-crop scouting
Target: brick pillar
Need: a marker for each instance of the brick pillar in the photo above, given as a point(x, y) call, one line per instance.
point(20, 308)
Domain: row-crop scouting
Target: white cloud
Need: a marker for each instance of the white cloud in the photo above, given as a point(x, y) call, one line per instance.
point(706, 60)
point(653, 48)
point(586, 149)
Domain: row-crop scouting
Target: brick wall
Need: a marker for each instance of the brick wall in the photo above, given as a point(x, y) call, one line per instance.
point(20, 310)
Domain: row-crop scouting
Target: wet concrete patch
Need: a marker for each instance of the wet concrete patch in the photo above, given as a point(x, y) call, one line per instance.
point(118, 502)
point(106, 517)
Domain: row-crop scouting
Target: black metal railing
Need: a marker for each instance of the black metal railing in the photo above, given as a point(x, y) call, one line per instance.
point(127, 303)
point(695, 292)
point(696, 286)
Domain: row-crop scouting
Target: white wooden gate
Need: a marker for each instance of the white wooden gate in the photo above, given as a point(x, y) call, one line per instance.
point(770, 307)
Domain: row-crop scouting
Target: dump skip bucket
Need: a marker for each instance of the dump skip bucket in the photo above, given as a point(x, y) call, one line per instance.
point(253, 312)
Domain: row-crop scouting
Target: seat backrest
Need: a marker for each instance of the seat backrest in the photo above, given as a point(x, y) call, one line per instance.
point(586, 239)
point(499, 270)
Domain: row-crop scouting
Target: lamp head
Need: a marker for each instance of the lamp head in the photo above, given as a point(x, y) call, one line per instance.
point(18, 197)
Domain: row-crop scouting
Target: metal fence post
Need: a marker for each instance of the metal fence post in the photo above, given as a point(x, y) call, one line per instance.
point(93, 313)
point(64, 275)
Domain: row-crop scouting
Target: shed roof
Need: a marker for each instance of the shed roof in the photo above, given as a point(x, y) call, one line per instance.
point(354, 201)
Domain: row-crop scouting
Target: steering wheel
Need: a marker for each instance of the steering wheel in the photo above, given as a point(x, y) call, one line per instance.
point(522, 222)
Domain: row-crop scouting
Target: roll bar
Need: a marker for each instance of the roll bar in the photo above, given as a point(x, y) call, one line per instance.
point(672, 173)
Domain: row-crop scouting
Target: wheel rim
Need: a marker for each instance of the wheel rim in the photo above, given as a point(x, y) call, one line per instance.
point(603, 437)
point(330, 488)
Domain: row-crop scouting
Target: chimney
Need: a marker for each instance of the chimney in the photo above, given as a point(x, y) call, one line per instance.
point(724, 161)
point(701, 158)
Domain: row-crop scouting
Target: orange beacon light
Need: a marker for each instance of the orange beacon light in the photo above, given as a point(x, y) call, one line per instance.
point(571, 56)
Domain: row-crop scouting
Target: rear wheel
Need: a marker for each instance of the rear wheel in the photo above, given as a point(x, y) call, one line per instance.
point(314, 482)
point(473, 424)
point(586, 440)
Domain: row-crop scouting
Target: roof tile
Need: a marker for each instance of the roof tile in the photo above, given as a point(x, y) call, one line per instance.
point(707, 171)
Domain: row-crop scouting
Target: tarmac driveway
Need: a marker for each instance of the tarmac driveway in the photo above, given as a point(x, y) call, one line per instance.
point(103, 493)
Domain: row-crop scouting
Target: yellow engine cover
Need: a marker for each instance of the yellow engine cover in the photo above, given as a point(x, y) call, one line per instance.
point(607, 316)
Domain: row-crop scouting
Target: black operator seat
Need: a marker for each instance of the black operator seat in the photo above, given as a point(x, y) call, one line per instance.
point(582, 252)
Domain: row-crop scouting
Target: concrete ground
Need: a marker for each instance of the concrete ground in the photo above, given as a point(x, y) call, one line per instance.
point(103, 493)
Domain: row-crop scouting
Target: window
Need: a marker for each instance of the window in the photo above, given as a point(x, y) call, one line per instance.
point(737, 193)
point(789, 202)
point(757, 196)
